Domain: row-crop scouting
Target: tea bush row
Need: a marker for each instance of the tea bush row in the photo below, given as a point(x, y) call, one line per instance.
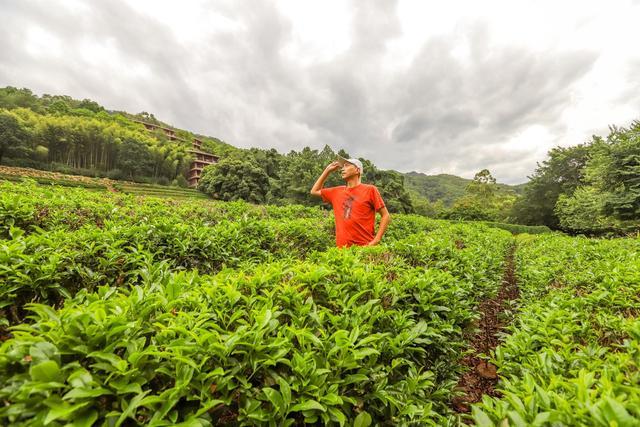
point(32, 207)
point(359, 336)
point(573, 355)
point(48, 266)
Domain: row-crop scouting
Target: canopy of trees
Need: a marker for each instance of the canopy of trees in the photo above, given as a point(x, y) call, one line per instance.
point(592, 188)
point(89, 145)
point(288, 178)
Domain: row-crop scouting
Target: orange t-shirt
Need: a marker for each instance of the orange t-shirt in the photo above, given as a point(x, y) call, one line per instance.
point(355, 211)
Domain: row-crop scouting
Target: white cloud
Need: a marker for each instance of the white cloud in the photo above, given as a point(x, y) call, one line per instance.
point(430, 86)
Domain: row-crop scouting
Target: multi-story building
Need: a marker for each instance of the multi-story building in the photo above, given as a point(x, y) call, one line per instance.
point(200, 158)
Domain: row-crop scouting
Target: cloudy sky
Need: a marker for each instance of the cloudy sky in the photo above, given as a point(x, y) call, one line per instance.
point(436, 87)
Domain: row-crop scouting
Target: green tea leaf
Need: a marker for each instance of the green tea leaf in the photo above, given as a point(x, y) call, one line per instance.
point(86, 419)
point(362, 420)
point(275, 398)
point(47, 371)
point(63, 411)
point(337, 415)
point(285, 392)
point(308, 406)
point(615, 411)
point(480, 418)
point(78, 393)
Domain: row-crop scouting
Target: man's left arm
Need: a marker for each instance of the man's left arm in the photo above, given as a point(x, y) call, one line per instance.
point(384, 223)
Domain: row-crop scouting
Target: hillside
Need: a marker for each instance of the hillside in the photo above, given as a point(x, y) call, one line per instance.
point(445, 187)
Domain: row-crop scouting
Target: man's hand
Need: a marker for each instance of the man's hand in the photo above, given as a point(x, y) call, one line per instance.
point(384, 222)
point(333, 166)
point(315, 190)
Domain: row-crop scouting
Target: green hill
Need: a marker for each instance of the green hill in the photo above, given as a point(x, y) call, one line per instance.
point(445, 187)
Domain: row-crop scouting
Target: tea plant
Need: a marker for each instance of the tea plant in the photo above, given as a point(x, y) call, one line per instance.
point(49, 266)
point(573, 354)
point(148, 311)
point(327, 341)
point(33, 207)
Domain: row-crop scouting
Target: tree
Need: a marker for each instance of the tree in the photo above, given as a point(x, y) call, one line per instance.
point(482, 201)
point(13, 137)
point(59, 107)
point(582, 212)
point(234, 179)
point(615, 169)
point(422, 205)
point(561, 173)
point(609, 200)
point(90, 105)
point(134, 159)
point(11, 97)
point(301, 169)
point(391, 185)
point(483, 186)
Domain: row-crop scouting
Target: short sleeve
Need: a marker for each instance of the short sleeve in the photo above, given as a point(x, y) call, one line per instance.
point(328, 194)
point(377, 201)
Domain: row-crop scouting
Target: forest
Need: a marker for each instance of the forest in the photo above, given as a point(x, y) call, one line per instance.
point(591, 188)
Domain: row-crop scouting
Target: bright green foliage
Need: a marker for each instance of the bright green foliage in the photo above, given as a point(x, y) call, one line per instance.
point(584, 212)
point(519, 229)
point(573, 354)
point(482, 201)
point(323, 341)
point(75, 239)
point(284, 331)
point(94, 144)
point(560, 174)
point(616, 167)
point(593, 188)
point(610, 202)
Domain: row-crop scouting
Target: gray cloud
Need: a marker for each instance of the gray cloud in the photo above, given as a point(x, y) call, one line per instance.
point(437, 114)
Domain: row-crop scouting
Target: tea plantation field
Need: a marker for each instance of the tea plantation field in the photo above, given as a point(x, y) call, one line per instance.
point(119, 310)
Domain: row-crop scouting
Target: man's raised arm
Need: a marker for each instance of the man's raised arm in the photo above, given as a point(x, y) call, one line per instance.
point(315, 190)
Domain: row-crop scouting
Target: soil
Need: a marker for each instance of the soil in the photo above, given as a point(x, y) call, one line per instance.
point(481, 377)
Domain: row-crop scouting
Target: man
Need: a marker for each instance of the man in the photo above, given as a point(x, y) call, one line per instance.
point(354, 205)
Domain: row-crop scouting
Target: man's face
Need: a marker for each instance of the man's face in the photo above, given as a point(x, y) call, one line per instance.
point(348, 170)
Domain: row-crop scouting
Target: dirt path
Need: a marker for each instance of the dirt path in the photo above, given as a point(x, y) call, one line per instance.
point(481, 377)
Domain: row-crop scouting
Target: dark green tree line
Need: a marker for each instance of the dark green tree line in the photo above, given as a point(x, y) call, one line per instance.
point(287, 178)
point(89, 143)
point(592, 188)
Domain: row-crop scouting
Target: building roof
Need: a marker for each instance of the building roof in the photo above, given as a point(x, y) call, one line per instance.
point(154, 125)
point(193, 150)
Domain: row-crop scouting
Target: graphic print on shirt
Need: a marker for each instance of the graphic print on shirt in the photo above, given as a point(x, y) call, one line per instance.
point(346, 206)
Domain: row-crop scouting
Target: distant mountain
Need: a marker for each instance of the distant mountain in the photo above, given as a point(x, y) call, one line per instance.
point(445, 187)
